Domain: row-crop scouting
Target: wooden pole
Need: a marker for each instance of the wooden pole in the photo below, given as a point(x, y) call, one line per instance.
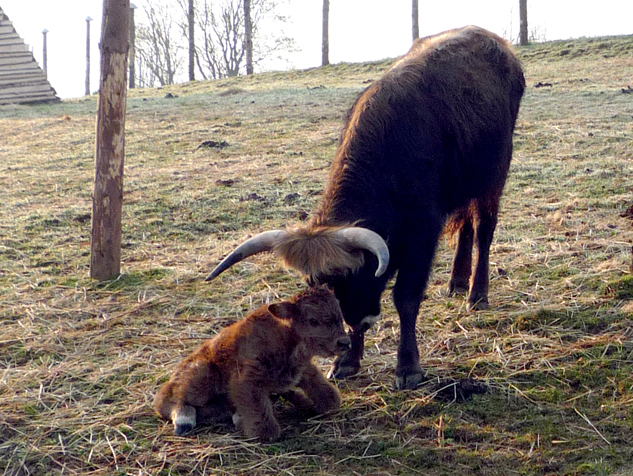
point(192, 42)
point(248, 36)
point(415, 20)
point(105, 258)
point(325, 34)
point(523, 23)
point(88, 20)
point(45, 53)
point(132, 59)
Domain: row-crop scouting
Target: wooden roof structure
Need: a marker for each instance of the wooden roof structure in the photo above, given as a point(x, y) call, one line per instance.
point(21, 78)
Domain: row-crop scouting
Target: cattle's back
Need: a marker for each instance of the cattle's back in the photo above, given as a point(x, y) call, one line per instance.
point(264, 344)
point(436, 128)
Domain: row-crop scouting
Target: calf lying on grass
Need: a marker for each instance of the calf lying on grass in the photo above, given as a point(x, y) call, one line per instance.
point(268, 352)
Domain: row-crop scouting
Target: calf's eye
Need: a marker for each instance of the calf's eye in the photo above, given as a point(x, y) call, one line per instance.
point(314, 322)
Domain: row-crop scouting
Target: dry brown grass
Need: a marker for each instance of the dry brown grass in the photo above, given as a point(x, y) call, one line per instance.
point(80, 362)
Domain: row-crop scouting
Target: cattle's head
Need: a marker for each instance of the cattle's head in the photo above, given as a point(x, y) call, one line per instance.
point(317, 318)
point(344, 258)
point(358, 292)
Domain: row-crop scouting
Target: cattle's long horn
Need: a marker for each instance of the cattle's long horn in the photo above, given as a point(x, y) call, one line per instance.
point(258, 244)
point(369, 240)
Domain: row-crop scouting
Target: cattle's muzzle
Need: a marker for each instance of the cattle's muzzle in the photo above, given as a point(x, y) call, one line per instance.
point(344, 344)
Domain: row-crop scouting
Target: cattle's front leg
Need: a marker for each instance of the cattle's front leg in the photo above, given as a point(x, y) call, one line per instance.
point(323, 395)
point(408, 292)
point(254, 410)
point(408, 371)
point(348, 364)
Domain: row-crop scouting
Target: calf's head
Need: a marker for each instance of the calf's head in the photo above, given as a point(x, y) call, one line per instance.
point(317, 318)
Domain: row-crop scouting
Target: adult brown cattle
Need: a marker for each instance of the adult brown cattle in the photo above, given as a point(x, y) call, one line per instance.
point(427, 145)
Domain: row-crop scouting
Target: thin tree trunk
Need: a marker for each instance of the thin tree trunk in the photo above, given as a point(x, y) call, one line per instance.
point(248, 36)
point(325, 47)
point(523, 23)
point(416, 20)
point(105, 262)
point(192, 44)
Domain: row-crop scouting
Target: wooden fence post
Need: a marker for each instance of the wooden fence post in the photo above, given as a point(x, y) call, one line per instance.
point(107, 200)
point(88, 20)
point(45, 53)
point(523, 23)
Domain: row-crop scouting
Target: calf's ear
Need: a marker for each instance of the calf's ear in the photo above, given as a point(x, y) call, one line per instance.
point(283, 310)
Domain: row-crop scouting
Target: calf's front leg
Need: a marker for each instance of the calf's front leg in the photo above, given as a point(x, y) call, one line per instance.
point(254, 410)
point(322, 394)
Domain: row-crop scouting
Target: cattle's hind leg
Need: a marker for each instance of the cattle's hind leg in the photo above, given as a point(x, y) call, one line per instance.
point(485, 224)
point(184, 418)
point(463, 260)
point(217, 411)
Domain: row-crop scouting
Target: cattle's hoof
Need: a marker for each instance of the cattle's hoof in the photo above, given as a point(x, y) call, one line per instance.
point(456, 289)
point(268, 432)
point(479, 305)
point(181, 429)
point(409, 381)
point(341, 372)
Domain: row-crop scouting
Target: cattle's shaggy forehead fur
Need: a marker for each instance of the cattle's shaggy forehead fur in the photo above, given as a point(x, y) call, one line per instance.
point(316, 251)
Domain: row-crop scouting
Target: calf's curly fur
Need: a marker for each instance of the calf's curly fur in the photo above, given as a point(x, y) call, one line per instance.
point(268, 352)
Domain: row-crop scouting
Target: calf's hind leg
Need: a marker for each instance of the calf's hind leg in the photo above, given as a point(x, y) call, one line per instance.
point(171, 406)
point(194, 385)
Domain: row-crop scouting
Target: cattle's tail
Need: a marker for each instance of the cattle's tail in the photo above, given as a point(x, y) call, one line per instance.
point(457, 219)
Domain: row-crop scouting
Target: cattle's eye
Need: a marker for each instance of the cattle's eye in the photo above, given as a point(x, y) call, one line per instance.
point(314, 322)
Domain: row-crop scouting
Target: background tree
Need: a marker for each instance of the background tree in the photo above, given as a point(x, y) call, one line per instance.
point(523, 23)
point(159, 55)
point(222, 45)
point(415, 20)
point(325, 45)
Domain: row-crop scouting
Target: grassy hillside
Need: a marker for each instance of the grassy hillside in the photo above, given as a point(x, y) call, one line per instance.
point(80, 361)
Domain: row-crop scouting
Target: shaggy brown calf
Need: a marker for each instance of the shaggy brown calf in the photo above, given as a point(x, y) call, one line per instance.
point(268, 352)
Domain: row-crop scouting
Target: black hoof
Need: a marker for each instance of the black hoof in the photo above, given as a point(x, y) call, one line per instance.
point(342, 372)
point(409, 381)
point(457, 289)
point(182, 429)
point(480, 305)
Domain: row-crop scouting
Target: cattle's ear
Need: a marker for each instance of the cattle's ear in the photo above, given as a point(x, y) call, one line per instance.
point(283, 310)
